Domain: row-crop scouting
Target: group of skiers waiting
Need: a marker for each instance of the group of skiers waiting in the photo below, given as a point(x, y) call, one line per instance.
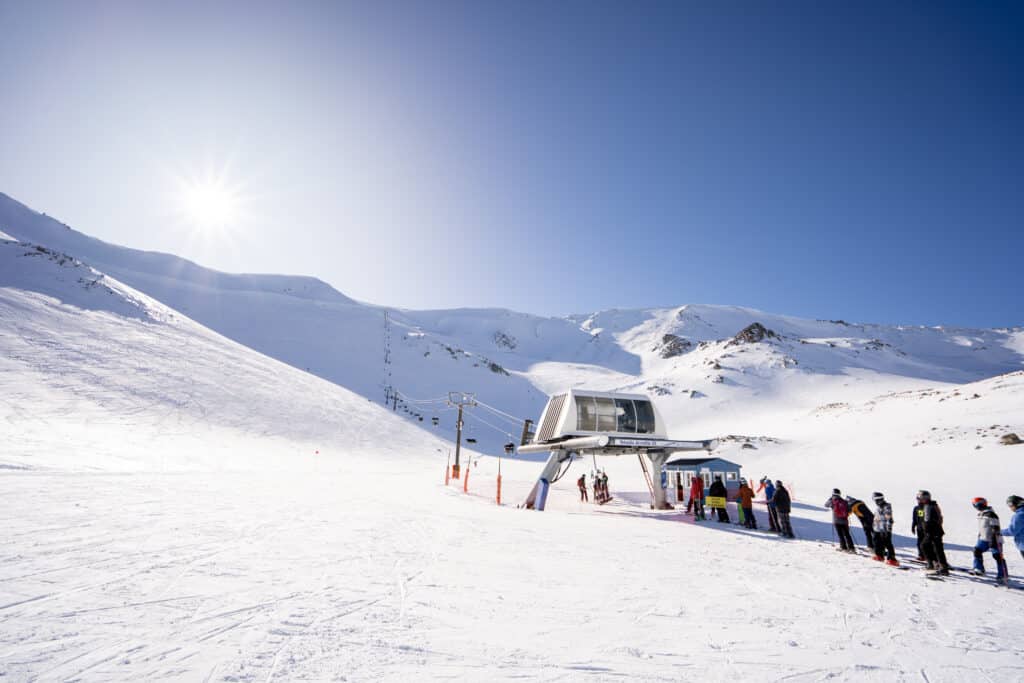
point(599, 483)
point(927, 525)
point(776, 494)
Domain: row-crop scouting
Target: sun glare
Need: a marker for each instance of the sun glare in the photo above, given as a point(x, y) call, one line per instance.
point(210, 203)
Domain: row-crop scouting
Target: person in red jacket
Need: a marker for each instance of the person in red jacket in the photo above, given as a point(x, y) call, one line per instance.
point(697, 497)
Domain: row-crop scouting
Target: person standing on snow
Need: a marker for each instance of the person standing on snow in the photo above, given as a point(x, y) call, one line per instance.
point(989, 538)
point(883, 530)
point(769, 492)
point(840, 520)
point(929, 518)
point(783, 505)
point(1016, 527)
point(718, 490)
point(581, 484)
point(861, 511)
point(917, 529)
point(697, 496)
point(604, 487)
point(745, 499)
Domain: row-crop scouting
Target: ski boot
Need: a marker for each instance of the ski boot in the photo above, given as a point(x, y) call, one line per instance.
point(976, 572)
point(877, 558)
point(892, 562)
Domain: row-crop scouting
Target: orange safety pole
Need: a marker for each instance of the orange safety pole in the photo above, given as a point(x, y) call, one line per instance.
point(465, 482)
point(499, 489)
point(446, 474)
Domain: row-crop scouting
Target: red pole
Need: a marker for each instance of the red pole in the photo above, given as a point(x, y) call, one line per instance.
point(465, 482)
point(446, 472)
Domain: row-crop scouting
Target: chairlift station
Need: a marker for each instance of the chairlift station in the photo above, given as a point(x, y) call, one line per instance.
point(580, 422)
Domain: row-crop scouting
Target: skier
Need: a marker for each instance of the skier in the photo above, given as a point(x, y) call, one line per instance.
point(581, 484)
point(769, 492)
point(1016, 528)
point(840, 520)
point(929, 519)
point(604, 487)
point(697, 497)
point(883, 531)
point(867, 518)
point(718, 490)
point(745, 499)
point(783, 505)
point(989, 538)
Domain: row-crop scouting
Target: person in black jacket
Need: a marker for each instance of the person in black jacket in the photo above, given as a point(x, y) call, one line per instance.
point(867, 519)
point(718, 490)
point(918, 530)
point(783, 506)
point(929, 519)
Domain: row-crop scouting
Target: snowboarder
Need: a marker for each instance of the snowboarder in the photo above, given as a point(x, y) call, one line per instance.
point(1016, 528)
point(883, 530)
point(918, 530)
point(929, 518)
point(697, 497)
point(783, 505)
point(861, 511)
point(581, 484)
point(989, 538)
point(605, 496)
point(745, 500)
point(718, 490)
point(840, 520)
point(769, 492)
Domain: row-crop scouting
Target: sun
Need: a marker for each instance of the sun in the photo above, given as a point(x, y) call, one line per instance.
point(209, 202)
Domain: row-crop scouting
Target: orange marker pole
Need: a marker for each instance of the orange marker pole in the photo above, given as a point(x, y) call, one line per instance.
point(446, 474)
point(465, 482)
point(499, 489)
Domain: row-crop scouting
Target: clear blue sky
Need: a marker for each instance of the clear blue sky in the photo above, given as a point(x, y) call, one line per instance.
point(824, 159)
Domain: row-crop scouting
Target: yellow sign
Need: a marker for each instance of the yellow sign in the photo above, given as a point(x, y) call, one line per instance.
point(716, 502)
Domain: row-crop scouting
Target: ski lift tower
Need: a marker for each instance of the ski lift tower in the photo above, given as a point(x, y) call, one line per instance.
point(579, 422)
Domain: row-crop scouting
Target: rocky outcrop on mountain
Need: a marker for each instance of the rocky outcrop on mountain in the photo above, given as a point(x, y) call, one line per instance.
point(1010, 439)
point(672, 345)
point(752, 334)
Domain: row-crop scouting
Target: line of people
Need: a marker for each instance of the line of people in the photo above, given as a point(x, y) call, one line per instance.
point(776, 495)
point(927, 525)
point(599, 484)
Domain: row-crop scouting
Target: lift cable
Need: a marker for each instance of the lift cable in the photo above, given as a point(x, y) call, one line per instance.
point(495, 428)
point(515, 419)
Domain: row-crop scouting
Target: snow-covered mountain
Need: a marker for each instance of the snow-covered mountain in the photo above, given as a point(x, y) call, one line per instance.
point(715, 369)
point(184, 501)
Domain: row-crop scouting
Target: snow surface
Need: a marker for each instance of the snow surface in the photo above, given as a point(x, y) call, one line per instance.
point(181, 504)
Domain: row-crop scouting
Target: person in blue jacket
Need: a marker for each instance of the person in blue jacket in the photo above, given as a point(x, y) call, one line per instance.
point(1016, 527)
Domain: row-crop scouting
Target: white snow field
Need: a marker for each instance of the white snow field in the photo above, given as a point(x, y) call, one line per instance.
point(180, 506)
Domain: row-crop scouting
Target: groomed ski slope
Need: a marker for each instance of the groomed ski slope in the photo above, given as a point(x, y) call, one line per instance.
point(180, 507)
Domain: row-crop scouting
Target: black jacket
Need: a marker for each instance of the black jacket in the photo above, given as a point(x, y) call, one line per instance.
point(928, 519)
point(717, 489)
point(863, 513)
point(781, 500)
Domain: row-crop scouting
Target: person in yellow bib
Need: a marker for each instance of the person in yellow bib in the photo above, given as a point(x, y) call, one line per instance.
point(718, 490)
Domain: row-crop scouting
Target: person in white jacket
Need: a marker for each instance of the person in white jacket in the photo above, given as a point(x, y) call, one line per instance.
point(989, 539)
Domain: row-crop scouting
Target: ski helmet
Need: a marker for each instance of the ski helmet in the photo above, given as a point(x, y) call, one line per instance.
point(877, 496)
point(979, 503)
point(1015, 501)
point(924, 495)
point(836, 492)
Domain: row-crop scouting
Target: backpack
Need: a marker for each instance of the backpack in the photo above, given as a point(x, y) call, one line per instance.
point(840, 508)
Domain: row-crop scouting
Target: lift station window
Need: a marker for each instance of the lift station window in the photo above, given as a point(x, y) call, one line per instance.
point(586, 414)
point(625, 415)
point(600, 414)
